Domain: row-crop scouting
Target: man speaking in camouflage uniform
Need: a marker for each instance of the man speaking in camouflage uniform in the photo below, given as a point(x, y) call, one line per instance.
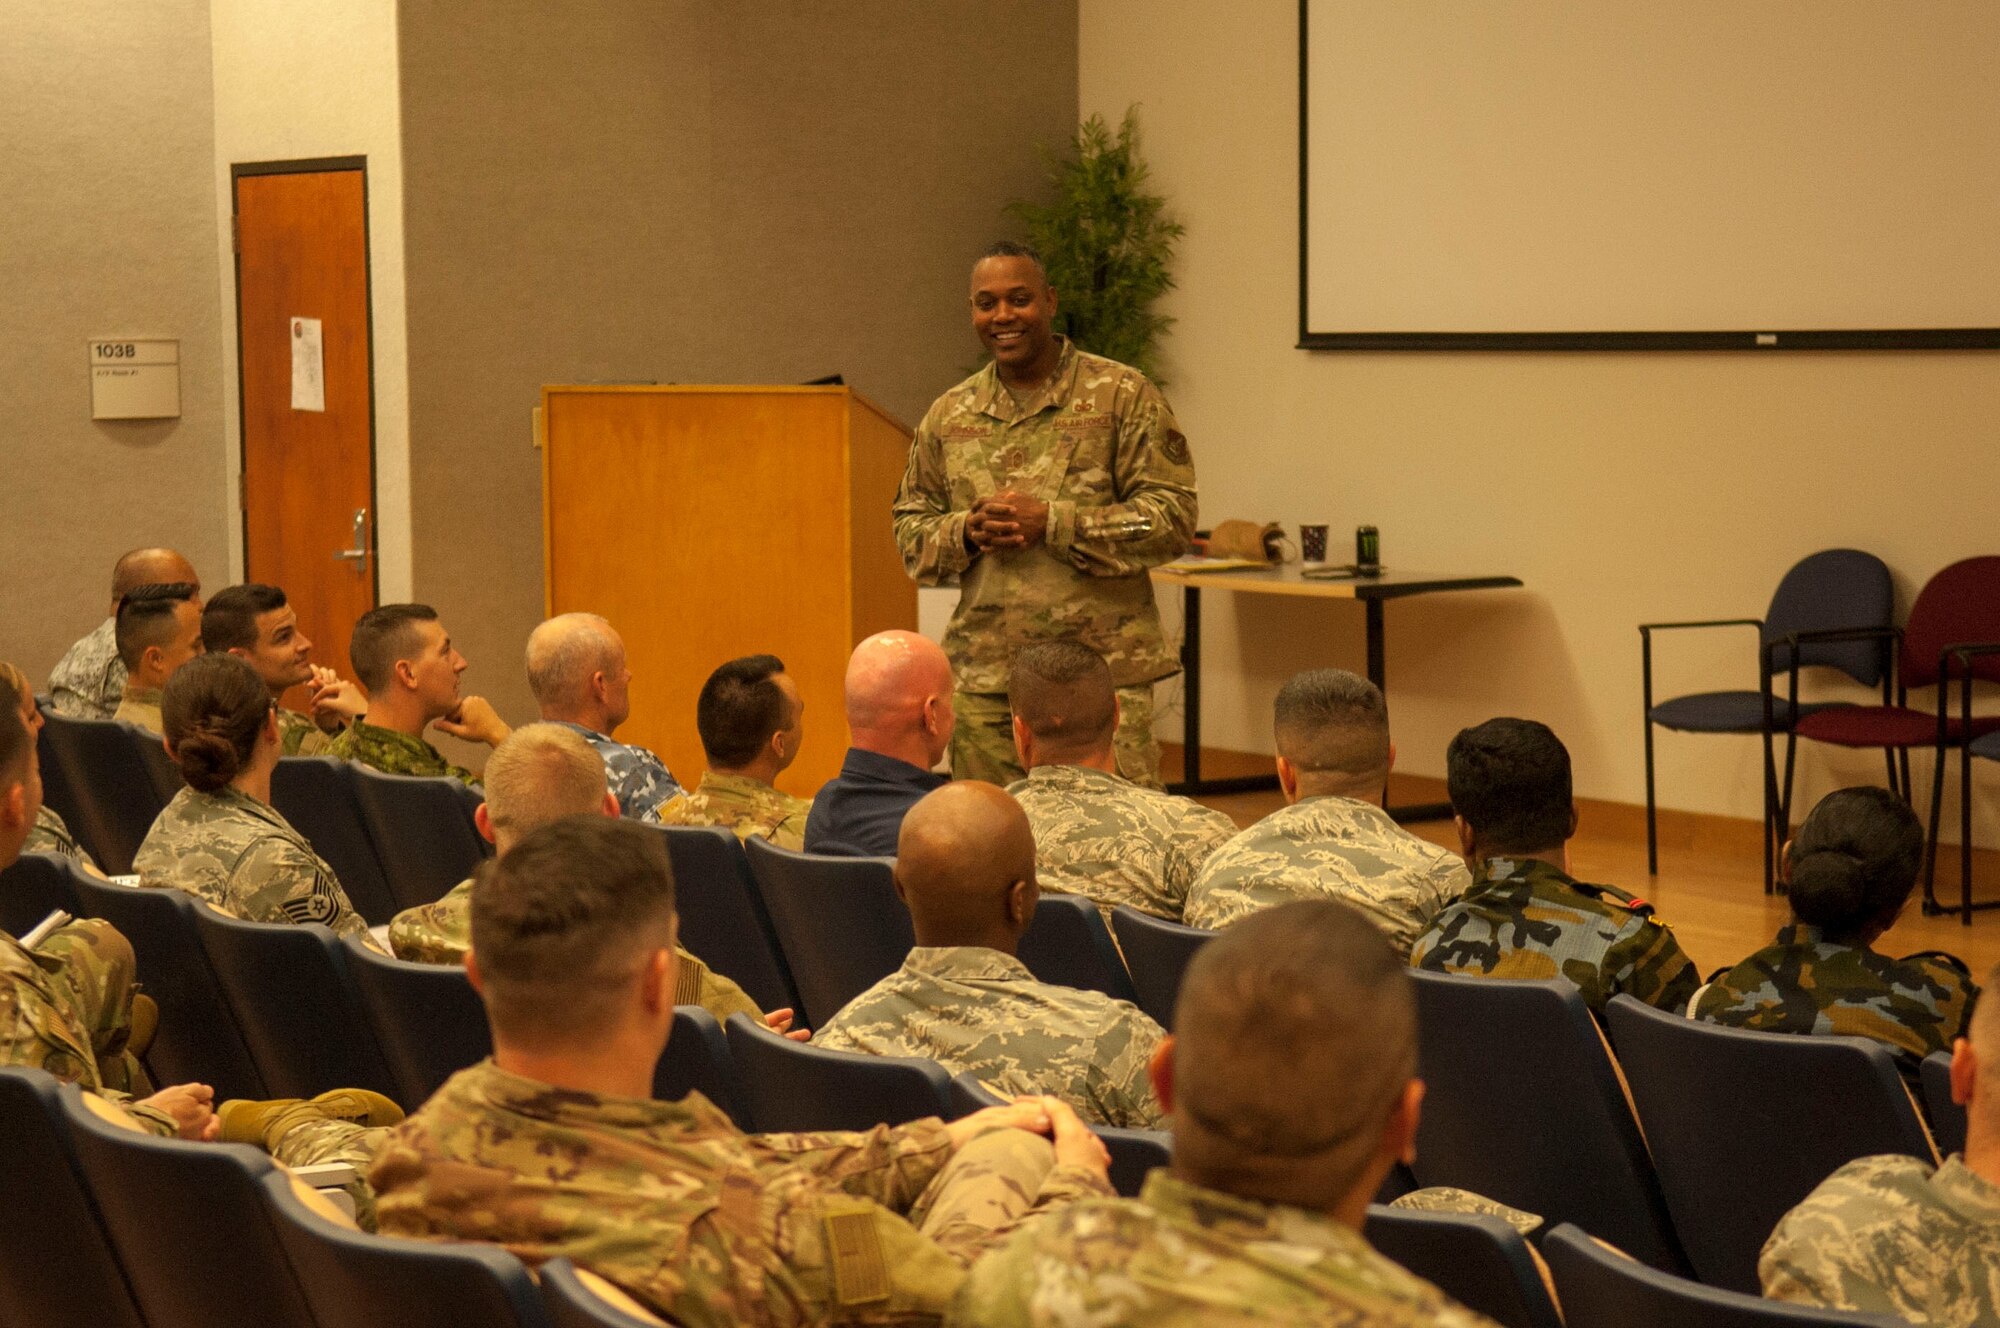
point(405, 659)
point(1892, 1235)
point(578, 673)
point(1044, 487)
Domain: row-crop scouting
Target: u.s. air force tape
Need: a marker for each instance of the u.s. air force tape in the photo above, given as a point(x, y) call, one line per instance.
point(860, 1274)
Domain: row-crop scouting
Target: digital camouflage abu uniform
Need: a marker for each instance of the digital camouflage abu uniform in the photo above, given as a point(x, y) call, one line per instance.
point(744, 806)
point(51, 835)
point(1523, 918)
point(441, 933)
point(705, 1224)
point(394, 753)
point(639, 779)
point(1115, 842)
point(1179, 1256)
point(140, 707)
point(242, 857)
point(89, 679)
point(1888, 1235)
point(1805, 983)
point(1099, 444)
point(1330, 847)
point(970, 1008)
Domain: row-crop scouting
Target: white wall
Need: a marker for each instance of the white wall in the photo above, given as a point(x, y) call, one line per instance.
point(1620, 488)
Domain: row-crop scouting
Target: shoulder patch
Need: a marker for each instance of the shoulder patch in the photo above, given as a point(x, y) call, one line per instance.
point(860, 1274)
point(1175, 446)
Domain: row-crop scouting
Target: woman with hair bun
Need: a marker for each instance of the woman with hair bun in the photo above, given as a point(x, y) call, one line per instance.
point(1850, 871)
point(220, 839)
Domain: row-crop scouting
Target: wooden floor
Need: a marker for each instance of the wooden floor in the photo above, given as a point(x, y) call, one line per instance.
point(1710, 887)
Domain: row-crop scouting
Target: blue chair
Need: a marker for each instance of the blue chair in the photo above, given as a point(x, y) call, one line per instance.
point(57, 1269)
point(723, 921)
point(427, 1019)
point(423, 832)
point(35, 886)
point(1947, 1116)
point(573, 1304)
point(1601, 1288)
point(1134, 1153)
point(189, 1225)
point(1157, 953)
point(1528, 1053)
point(198, 1040)
point(1479, 1261)
point(784, 1085)
point(152, 754)
point(838, 922)
point(318, 795)
point(354, 1280)
point(1744, 1125)
point(114, 795)
point(56, 791)
point(1835, 590)
point(1068, 944)
point(697, 1060)
point(296, 1005)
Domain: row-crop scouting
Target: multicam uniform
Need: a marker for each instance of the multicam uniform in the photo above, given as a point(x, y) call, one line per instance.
point(394, 753)
point(1114, 842)
point(640, 779)
point(1330, 847)
point(88, 680)
point(1889, 1235)
point(51, 835)
point(140, 707)
point(1180, 1256)
point(1523, 918)
point(970, 1008)
point(705, 1224)
point(300, 736)
point(748, 807)
point(1099, 444)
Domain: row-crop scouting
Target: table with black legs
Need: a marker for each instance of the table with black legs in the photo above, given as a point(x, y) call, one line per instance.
point(1372, 592)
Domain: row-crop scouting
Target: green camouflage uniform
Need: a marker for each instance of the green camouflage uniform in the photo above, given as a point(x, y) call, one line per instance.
point(742, 805)
point(242, 857)
point(1099, 444)
point(88, 680)
point(970, 1008)
point(66, 1007)
point(705, 1224)
point(1115, 842)
point(1805, 983)
point(394, 753)
point(300, 736)
point(1526, 919)
point(51, 835)
point(1330, 847)
point(441, 933)
point(140, 707)
point(1179, 1256)
point(1888, 1235)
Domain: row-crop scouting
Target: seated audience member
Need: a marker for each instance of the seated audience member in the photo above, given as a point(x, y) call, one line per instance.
point(1291, 1091)
point(1098, 834)
point(220, 839)
point(899, 716)
point(966, 868)
point(1850, 868)
point(577, 671)
point(542, 773)
point(405, 659)
point(1524, 916)
point(749, 717)
point(49, 834)
point(159, 629)
point(1894, 1236)
point(89, 680)
point(256, 624)
point(555, 1146)
point(1333, 840)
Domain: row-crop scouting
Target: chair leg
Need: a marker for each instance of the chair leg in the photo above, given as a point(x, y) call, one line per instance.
point(1903, 760)
point(1964, 829)
point(1652, 813)
point(1931, 904)
point(1770, 810)
point(1889, 757)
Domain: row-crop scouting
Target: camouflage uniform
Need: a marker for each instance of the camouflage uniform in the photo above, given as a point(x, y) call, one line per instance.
point(982, 744)
point(970, 1008)
point(300, 736)
point(1805, 983)
point(1888, 1235)
point(66, 1007)
point(140, 707)
point(50, 835)
point(1180, 1256)
point(742, 805)
point(1526, 919)
point(394, 753)
point(1330, 847)
point(1098, 443)
point(640, 779)
point(243, 858)
point(1115, 842)
point(704, 1224)
point(88, 680)
point(441, 933)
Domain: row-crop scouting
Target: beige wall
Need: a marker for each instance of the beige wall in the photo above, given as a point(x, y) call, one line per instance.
point(1621, 488)
point(106, 146)
point(634, 190)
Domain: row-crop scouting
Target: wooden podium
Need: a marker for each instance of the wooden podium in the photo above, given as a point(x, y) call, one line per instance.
point(711, 522)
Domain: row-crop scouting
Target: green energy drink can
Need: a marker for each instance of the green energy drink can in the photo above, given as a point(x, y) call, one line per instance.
point(1367, 547)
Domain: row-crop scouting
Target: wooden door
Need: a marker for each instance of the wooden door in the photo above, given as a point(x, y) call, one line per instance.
point(308, 475)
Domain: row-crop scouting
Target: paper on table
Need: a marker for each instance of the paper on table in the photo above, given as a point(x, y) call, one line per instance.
point(1196, 564)
point(308, 366)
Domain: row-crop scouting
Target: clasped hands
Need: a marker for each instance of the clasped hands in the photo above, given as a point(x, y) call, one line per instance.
point(1008, 519)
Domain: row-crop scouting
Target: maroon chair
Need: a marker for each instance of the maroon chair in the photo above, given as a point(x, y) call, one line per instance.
point(1957, 615)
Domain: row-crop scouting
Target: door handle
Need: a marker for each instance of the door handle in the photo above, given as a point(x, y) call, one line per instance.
point(358, 553)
